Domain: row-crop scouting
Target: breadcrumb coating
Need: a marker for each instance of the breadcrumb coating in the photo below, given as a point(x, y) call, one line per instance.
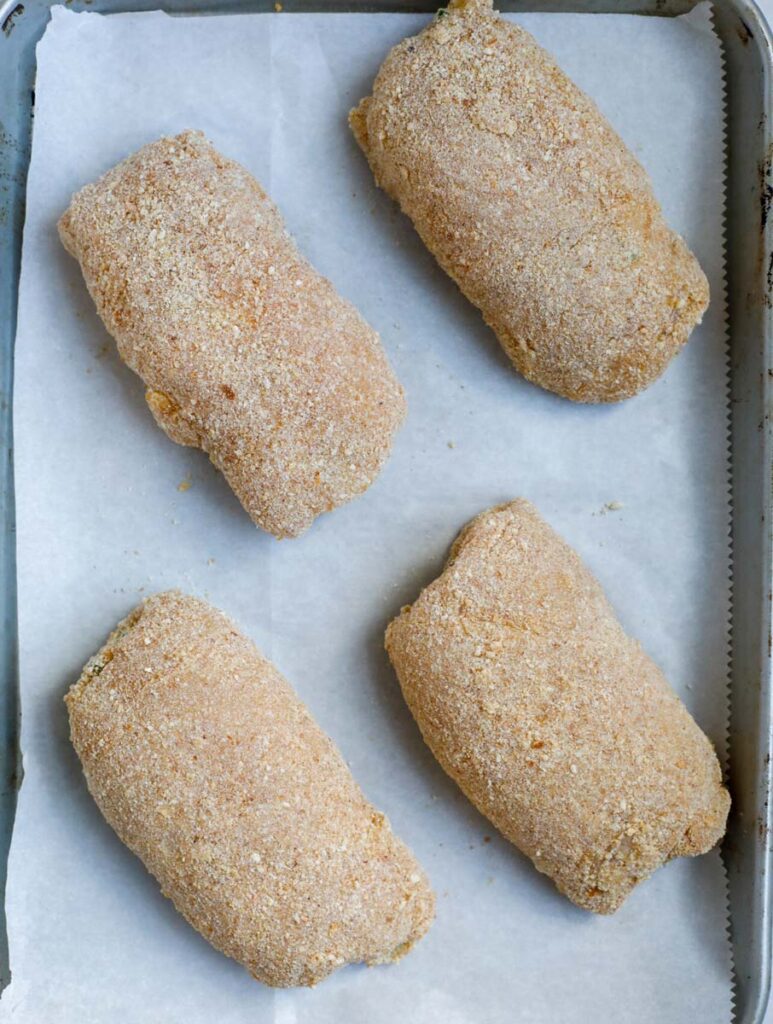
point(552, 720)
point(532, 203)
point(209, 768)
point(246, 351)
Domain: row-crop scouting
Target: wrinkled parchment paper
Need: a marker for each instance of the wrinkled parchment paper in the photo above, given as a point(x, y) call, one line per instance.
point(105, 518)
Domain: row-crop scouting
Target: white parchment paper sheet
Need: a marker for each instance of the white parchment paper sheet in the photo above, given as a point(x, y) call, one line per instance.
point(102, 523)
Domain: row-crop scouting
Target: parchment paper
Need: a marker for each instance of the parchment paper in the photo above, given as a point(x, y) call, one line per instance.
point(102, 522)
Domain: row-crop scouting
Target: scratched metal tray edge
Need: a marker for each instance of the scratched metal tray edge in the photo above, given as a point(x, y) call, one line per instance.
point(747, 49)
point(748, 61)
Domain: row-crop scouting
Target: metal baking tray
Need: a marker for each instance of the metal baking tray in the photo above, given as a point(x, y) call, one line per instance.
point(748, 52)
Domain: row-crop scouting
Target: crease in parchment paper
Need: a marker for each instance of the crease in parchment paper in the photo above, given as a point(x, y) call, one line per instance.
point(640, 489)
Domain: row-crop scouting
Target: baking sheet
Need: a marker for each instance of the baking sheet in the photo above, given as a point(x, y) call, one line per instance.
point(103, 521)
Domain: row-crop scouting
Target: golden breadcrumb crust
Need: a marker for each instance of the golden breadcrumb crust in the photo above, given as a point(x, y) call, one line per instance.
point(532, 203)
point(207, 765)
point(553, 721)
point(246, 351)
